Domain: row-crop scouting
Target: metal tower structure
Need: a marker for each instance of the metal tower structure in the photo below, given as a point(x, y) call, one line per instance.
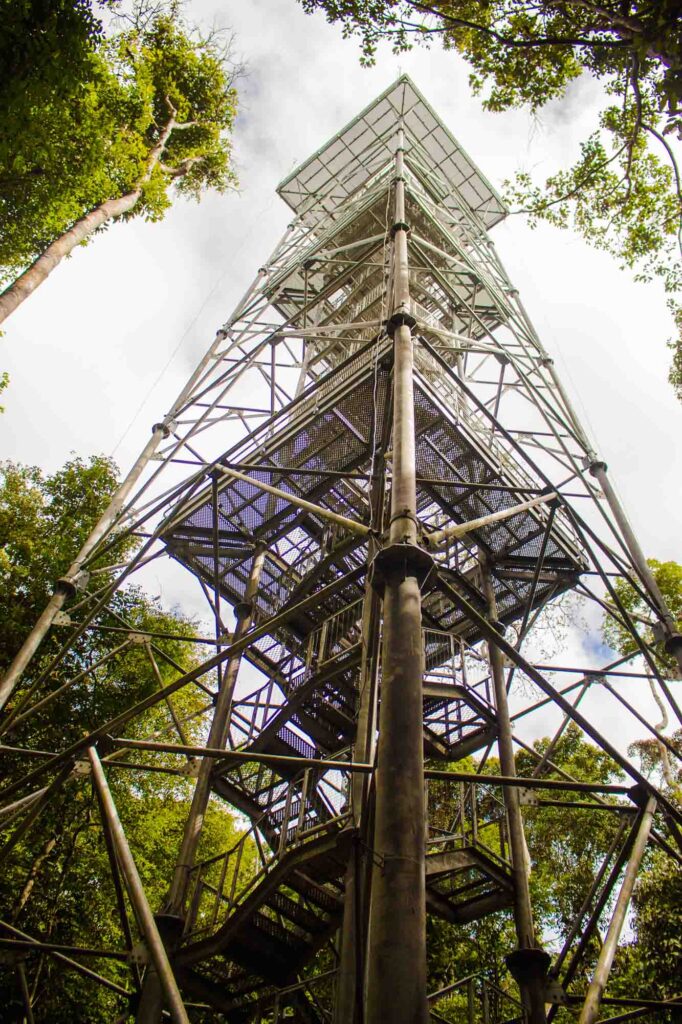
point(380, 485)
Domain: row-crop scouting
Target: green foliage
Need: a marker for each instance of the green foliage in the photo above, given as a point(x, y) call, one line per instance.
point(656, 956)
point(620, 195)
point(668, 575)
point(43, 523)
point(57, 884)
point(84, 118)
point(567, 845)
point(675, 346)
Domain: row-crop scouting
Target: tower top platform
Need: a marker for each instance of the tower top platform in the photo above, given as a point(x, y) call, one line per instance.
point(320, 185)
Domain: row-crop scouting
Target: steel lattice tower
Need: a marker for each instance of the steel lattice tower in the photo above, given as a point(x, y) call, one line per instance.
point(376, 471)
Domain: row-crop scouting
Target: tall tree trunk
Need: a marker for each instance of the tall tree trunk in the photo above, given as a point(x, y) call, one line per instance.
point(43, 266)
point(110, 209)
point(32, 875)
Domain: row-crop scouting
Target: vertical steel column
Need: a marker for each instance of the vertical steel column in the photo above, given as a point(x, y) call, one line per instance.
point(349, 983)
point(528, 964)
point(590, 1010)
point(66, 587)
point(349, 998)
point(138, 898)
point(396, 975)
point(673, 639)
point(217, 737)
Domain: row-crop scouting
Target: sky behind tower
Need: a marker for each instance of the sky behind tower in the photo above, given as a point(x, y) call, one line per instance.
point(98, 354)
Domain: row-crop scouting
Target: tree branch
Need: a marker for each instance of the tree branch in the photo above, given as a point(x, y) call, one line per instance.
point(182, 168)
point(505, 40)
point(576, 188)
point(625, 26)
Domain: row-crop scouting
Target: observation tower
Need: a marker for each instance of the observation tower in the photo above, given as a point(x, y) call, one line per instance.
point(380, 485)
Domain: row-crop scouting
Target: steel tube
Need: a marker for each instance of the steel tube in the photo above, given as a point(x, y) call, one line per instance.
point(449, 532)
point(66, 586)
point(396, 975)
point(73, 964)
point(598, 470)
point(217, 738)
point(349, 524)
point(590, 1009)
point(138, 898)
point(26, 994)
point(188, 677)
point(219, 754)
point(107, 519)
point(532, 992)
point(527, 783)
point(349, 990)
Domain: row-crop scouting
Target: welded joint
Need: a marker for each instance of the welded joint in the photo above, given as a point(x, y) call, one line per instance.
point(400, 319)
point(191, 768)
point(70, 585)
point(673, 644)
point(165, 428)
point(528, 965)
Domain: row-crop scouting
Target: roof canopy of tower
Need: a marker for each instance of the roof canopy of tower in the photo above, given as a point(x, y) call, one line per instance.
point(366, 145)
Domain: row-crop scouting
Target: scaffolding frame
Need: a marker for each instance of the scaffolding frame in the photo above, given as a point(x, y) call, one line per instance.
point(376, 534)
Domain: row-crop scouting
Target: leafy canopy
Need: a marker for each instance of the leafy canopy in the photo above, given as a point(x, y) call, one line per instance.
point(82, 114)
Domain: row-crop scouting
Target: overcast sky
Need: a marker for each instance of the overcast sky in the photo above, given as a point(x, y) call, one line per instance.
point(89, 353)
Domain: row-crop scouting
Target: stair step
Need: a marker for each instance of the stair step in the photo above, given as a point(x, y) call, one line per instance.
point(297, 913)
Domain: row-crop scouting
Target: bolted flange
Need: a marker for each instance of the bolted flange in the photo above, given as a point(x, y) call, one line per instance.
point(400, 320)
point(639, 795)
point(673, 644)
point(526, 965)
point(396, 562)
point(171, 927)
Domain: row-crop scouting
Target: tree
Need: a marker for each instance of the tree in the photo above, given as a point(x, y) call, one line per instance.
point(624, 192)
point(618, 636)
point(57, 884)
point(110, 134)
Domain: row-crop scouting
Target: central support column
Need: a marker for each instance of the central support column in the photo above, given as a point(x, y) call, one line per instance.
point(396, 973)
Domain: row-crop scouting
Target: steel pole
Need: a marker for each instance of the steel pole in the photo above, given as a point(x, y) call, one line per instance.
point(673, 641)
point(347, 1009)
point(138, 898)
point(396, 975)
point(528, 963)
point(66, 586)
point(590, 1009)
point(217, 738)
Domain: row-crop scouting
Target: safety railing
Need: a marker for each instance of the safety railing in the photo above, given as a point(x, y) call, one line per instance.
point(299, 811)
point(467, 814)
point(473, 999)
